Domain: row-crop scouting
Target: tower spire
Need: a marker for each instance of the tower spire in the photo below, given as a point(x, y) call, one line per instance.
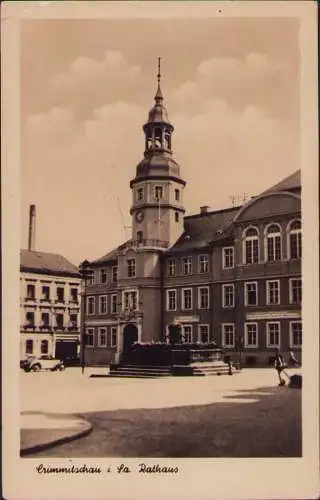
point(159, 97)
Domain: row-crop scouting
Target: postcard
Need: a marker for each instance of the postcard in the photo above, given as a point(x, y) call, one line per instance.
point(160, 250)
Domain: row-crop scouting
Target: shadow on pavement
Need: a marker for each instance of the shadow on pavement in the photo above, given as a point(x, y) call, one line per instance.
point(262, 422)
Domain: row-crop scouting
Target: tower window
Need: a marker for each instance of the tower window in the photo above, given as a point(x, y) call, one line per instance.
point(140, 194)
point(158, 138)
point(167, 140)
point(177, 194)
point(158, 192)
point(176, 216)
point(139, 236)
point(131, 268)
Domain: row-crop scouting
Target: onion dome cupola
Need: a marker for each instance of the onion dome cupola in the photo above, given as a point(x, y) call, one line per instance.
point(158, 158)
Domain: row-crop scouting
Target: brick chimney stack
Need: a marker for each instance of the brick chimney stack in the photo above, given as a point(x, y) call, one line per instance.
point(32, 228)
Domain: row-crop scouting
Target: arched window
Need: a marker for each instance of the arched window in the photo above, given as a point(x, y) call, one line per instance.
point(273, 243)
point(295, 247)
point(251, 246)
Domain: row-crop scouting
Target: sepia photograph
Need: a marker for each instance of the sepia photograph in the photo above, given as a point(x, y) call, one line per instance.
point(165, 206)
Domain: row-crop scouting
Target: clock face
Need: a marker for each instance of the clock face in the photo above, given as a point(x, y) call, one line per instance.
point(139, 216)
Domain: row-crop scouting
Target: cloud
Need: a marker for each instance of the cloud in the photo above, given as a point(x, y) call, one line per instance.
point(255, 78)
point(89, 83)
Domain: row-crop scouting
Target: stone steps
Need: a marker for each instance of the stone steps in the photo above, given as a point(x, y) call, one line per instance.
point(196, 369)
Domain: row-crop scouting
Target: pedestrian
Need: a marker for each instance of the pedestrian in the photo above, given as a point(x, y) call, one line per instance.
point(279, 366)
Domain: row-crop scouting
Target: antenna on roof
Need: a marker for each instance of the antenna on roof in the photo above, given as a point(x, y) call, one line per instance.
point(233, 200)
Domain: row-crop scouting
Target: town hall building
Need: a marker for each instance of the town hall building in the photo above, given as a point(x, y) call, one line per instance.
point(232, 276)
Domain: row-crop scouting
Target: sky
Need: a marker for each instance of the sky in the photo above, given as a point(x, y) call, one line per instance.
point(231, 87)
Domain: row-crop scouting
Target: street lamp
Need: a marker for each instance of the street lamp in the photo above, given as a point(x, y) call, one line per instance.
point(85, 273)
point(239, 347)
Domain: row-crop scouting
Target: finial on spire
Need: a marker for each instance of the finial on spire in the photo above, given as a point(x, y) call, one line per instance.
point(159, 69)
point(159, 96)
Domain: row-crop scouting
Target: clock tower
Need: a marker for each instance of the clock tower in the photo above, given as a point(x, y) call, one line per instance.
point(157, 189)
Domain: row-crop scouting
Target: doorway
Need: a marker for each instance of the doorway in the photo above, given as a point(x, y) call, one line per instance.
point(130, 335)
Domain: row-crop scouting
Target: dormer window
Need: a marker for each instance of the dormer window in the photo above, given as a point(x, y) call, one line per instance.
point(158, 192)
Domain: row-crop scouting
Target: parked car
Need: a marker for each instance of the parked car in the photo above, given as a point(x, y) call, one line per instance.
point(25, 362)
point(44, 362)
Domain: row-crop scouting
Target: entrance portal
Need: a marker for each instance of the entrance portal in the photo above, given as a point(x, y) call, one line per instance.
point(130, 335)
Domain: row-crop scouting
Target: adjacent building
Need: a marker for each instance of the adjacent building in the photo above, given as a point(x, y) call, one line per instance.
point(230, 275)
point(49, 302)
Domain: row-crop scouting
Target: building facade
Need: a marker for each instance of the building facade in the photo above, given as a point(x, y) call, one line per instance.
point(232, 275)
point(49, 305)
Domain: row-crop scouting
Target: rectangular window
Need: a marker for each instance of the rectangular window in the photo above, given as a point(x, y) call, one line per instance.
point(103, 276)
point(45, 293)
point(113, 303)
point(140, 194)
point(227, 257)
point(177, 194)
point(187, 334)
point(74, 294)
point(171, 267)
point(228, 335)
point(203, 297)
point(251, 294)
point(113, 339)
point(90, 305)
point(103, 308)
point(102, 337)
point(228, 295)
point(187, 265)
point(89, 339)
point(114, 274)
point(73, 321)
point(295, 245)
point(203, 334)
point(171, 300)
point(130, 300)
point(29, 346)
point(251, 251)
point(203, 264)
point(295, 290)
point(273, 334)
point(158, 192)
point(45, 320)
point(59, 320)
point(176, 216)
point(296, 333)
point(131, 268)
point(31, 292)
point(30, 318)
point(187, 299)
point(60, 294)
point(90, 280)
point(273, 292)
point(44, 347)
point(251, 334)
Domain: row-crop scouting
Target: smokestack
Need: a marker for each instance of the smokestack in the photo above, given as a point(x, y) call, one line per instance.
point(32, 228)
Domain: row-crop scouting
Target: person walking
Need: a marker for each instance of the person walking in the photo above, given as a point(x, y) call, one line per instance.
point(279, 366)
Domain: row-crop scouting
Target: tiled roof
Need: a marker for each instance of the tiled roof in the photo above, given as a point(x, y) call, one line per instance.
point(201, 229)
point(46, 263)
point(111, 256)
point(290, 183)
